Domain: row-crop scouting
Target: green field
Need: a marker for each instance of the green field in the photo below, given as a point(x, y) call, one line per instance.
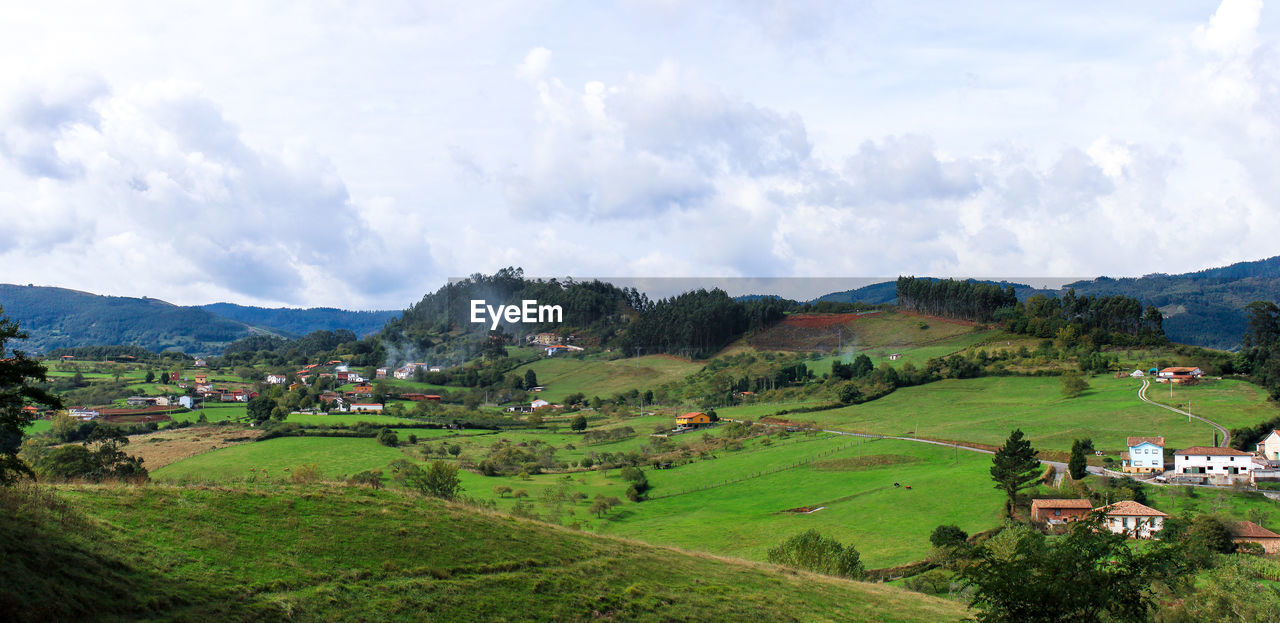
point(1230, 402)
point(334, 553)
point(984, 410)
point(336, 457)
point(889, 525)
point(593, 376)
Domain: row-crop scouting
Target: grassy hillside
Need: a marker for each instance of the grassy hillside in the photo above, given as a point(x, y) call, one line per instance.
point(984, 410)
point(332, 553)
point(594, 376)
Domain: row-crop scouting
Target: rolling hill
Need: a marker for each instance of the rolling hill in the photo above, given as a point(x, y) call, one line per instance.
point(62, 318)
point(337, 553)
point(1203, 308)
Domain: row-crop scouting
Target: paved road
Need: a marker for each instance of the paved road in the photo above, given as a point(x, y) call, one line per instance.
point(1142, 395)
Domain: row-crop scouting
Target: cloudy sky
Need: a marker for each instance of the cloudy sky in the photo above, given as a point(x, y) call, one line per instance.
point(359, 154)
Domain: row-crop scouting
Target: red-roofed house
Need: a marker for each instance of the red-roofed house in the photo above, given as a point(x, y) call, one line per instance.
point(1133, 519)
point(1179, 374)
point(1249, 532)
point(1212, 464)
point(1059, 511)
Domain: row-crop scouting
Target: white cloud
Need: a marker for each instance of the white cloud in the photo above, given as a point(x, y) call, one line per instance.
point(155, 182)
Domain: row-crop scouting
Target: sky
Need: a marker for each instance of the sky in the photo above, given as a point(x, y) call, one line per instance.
point(358, 155)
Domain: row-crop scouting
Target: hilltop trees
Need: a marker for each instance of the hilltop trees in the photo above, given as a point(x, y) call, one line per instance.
point(17, 373)
point(1015, 467)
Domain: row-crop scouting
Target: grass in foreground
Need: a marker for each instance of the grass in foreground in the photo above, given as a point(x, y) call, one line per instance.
point(333, 553)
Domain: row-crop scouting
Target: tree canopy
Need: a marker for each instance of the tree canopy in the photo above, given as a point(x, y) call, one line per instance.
point(17, 374)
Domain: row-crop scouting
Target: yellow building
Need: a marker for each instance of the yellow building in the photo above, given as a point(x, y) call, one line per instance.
point(689, 420)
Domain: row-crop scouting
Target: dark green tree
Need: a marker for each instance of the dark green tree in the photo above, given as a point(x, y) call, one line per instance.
point(17, 375)
point(151, 376)
point(259, 408)
point(1015, 467)
point(948, 536)
point(578, 423)
point(1078, 465)
point(164, 378)
point(388, 437)
point(1089, 575)
point(530, 378)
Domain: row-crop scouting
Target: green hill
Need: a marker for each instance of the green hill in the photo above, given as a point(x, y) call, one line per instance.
point(62, 318)
point(298, 322)
point(332, 553)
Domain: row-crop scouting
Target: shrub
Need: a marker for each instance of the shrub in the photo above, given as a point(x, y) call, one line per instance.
point(387, 437)
point(304, 474)
point(368, 478)
point(948, 536)
point(811, 551)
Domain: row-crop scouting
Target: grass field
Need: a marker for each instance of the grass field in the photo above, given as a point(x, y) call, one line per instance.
point(1231, 402)
point(336, 458)
point(984, 410)
point(889, 525)
point(334, 553)
point(595, 376)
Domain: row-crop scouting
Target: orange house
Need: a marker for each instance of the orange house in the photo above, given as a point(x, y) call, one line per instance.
point(690, 420)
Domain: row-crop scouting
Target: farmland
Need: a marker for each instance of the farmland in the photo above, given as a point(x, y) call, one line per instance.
point(596, 376)
point(984, 410)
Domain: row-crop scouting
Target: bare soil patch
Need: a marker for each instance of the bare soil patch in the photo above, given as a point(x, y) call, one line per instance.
point(165, 447)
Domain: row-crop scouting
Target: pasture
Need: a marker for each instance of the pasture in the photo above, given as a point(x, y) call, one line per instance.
point(984, 410)
point(563, 375)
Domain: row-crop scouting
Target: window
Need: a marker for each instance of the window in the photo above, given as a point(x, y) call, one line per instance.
point(1057, 512)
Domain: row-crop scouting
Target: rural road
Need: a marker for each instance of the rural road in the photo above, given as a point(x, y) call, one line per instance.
point(1059, 468)
point(1142, 395)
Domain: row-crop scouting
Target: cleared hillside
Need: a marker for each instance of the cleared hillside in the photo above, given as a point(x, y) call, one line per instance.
point(328, 552)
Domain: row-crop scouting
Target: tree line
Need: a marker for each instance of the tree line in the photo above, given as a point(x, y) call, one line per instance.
point(1103, 319)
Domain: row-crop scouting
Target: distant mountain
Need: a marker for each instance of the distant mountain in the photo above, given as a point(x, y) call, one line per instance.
point(62, 318)
point(873, 294)
point(887, 292)
point(294, 322)
point(1206, 307)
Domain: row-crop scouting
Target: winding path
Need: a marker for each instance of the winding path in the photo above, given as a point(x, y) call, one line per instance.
point(1142, 395)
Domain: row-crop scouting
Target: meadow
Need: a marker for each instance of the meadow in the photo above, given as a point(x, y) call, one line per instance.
point(335, 553)
point(984, 410)
point(594, 375)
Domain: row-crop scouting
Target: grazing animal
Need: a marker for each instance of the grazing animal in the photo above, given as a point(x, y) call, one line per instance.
point(908, 486)
point(896, 484)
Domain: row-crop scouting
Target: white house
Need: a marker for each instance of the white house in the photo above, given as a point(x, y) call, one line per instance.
point(1215, 465)
point(1133, 519)
point(83, 414)
point(276, 379)
point(1145, 455)
point(185, 401)
point(1179, 374)
point(539, 404)
point(1269, 448)
point(366, 407)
